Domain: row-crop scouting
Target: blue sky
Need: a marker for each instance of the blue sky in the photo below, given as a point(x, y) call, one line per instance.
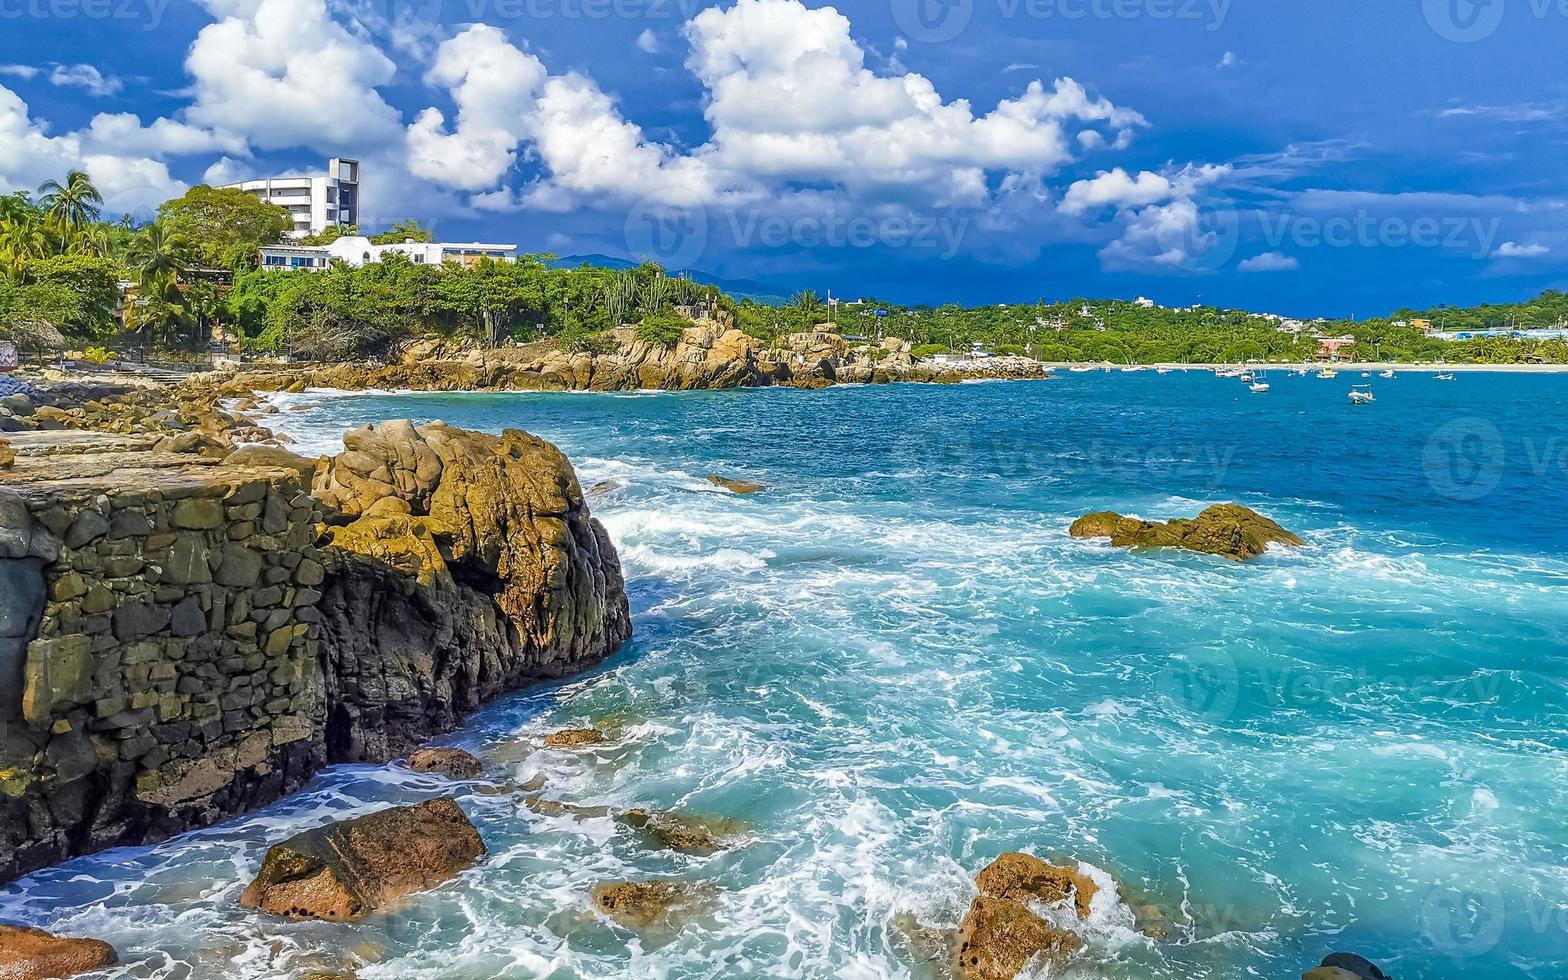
point(1328, 158)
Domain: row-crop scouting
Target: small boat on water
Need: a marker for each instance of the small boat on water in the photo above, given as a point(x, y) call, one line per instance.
point(1445, 376)
point(1258, 386)
point(1228, 373)
point(1163, 370)
point(1389, 373)
point(1366, 374)
point(1080, 369)
point(1246, 377)
point(1362, 395)
point(1328, 373)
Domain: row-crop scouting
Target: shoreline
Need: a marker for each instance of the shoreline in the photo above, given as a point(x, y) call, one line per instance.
point(1343, 367)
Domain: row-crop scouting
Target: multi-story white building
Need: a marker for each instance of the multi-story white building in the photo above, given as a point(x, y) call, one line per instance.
point(358, 251)
point(316, 201)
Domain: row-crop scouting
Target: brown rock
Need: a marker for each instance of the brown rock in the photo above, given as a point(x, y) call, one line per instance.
point(1229, 530)
point(1023, 877)
point(350, 868)
point(736, 486)
point(998, 938)
point(575, 738)
point(7, 455)
point(451, 763)
point(640, 904)
point(32, 954)
point(683, 831)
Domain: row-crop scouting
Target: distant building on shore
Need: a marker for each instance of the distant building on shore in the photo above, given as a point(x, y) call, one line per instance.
point(358, 251)
point(317, 201)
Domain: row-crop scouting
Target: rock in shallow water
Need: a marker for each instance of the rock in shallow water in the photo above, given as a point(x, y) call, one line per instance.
point(347, 869)
point(999, 938)
point(736, 486)
point(639, 904)
point(451, 763)
point(573, 738)
point(1229, 530)
point(1022, 877)
point(32, 954)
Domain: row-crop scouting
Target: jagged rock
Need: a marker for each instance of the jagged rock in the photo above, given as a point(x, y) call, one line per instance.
point(496, 575)
point(998, 938)
point(1229, 530)
point(1023, 877)
point(32, 954)
point(348, 869)
point(575, 738)
point(7, 455)
point(451, 763)
point(640, 904)
point(736, 486)
point(1330, 973)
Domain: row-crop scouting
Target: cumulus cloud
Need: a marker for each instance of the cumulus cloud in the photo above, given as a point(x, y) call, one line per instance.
point(86, 77)
point(1269, 262)
point(648, 41)
point(24, 72)
point(1513, 250)
point(1162, 222)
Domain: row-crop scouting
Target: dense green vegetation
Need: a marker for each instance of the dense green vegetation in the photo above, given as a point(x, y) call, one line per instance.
point(61, 262)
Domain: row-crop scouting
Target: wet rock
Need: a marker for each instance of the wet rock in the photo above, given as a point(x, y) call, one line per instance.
point(998, 938)
point(1345, 966)
point(555, 808)
point(684, 832)
point(575, 738)
point(1022, 877)
point(7, 455)
point(32, 954)
point(640, 904)
point(930, 948)
point(736, 486)
point(451, 763)
point(1228, 530)
point(605, 486)
point(348, 869)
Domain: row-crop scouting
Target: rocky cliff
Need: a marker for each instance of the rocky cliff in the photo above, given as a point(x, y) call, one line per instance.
point(186, 635)
point(708, 355)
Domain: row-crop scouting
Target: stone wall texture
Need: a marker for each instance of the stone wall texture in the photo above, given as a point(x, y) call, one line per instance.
point(182, 640)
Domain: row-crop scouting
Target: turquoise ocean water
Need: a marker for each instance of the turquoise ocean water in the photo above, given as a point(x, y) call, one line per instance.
point(895, 665)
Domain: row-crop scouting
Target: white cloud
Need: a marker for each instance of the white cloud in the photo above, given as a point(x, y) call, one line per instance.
point(24, 72)
point(1228, 60)
point(1116, 187)
point(1162, 224)
point(1513, 250)
point(86, 77)
point(648, 41)
point(123, 133)
point(1269, 262)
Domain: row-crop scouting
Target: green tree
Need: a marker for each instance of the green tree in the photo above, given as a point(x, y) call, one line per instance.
point(404, 231)
point(224, 226)
point(73, 204)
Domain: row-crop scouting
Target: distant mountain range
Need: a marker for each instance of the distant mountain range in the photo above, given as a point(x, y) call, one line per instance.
point(757, 292)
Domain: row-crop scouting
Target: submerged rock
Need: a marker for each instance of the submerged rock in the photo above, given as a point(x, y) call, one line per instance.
point(1023, 877)
point(350, 868)
point(451, 763)
point(930, 948)
point(683, 831)
point(736, 486)
point(555, 808)
point(1228, 530)
point(999, 937)
point(575, 738)
point(32, 954)
point(640, 904)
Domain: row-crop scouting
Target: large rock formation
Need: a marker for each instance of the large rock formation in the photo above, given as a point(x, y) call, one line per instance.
point(350, 868)
point(469, 565)
point(1229, 530)
point(32, 954)
point(178, 643)
point(1001, 934)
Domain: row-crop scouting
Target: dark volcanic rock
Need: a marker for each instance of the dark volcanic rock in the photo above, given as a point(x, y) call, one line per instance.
point(32, 954)
point(348, 869)
point(1228, 530)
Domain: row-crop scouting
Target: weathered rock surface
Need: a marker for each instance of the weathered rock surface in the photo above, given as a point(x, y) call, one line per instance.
point(348, 869)
point(32, 954)
point(1229, 530)
point(1023, 877)
point(736, 486)
point(178, 645)
point(451, 763)
point(640, 904)
point(574, 738)
point(495, 576)
point(998, 938)
point(684, 832)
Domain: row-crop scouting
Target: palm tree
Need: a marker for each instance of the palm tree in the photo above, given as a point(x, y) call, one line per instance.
point(73, 204)
point(159, 255)
point(22, 239)
point(808, 307)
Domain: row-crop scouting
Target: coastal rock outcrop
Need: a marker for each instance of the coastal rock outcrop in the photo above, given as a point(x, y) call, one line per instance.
point(451, 763)
point(464, 565)
point(575, 738)
point(1001, 935)
point(179, 642)
point(1228, 530)
point(640, 904)
point(32, 954)
point(1022, 877)
point(347, 869)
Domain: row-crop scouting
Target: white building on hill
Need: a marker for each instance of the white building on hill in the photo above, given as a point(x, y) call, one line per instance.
point(317, 201)
point(357, 251)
